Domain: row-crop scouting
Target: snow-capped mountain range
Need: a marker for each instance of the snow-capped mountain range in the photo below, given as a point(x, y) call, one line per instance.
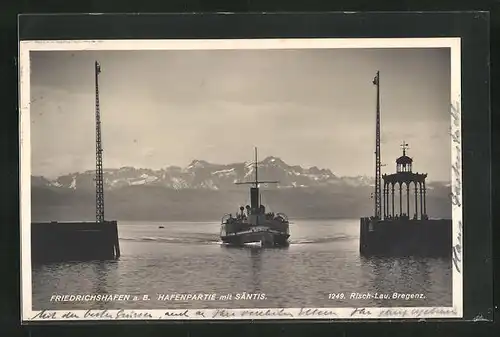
point(201, 174)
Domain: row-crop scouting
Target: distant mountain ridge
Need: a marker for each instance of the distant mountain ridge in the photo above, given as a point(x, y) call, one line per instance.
point(200, 174)
point(204, 190)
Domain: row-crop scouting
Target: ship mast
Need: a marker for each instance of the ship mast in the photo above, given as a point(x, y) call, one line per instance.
point(254, 190)
point(256, 169)
point(98, 172)
point(376, 82)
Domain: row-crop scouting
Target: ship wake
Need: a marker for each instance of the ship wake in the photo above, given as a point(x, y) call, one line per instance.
point(214, 240)
point(176, 240)
point(322, 240)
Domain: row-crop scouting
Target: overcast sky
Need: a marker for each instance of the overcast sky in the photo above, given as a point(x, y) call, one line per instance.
point(308, 107)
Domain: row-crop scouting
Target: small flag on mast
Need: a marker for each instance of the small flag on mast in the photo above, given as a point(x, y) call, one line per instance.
point(97, 67)
point(375, 79)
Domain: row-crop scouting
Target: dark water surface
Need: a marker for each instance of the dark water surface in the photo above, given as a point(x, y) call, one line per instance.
point(187, 257)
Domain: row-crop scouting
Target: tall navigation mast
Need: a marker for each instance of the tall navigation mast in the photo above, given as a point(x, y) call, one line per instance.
point(376, 82)
point(98, 143)
point(254, 190)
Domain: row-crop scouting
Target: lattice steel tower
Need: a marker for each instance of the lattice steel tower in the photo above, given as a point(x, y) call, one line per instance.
point(99, 183)
point(378, 203)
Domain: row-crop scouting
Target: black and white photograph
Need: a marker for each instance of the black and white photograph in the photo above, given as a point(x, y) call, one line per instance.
point(240, 179)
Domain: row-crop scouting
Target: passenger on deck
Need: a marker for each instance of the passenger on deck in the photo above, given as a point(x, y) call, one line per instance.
point(262, 209)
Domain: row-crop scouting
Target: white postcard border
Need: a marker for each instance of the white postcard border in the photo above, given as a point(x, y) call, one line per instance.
point(29, 315)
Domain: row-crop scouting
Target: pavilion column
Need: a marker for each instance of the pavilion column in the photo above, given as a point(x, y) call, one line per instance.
point(421, 200)
point(383, 201)
point(392, 185)
point(400, 199)
point(408, 199)
point(387, 200)
point(425, 208)
point(416, 201)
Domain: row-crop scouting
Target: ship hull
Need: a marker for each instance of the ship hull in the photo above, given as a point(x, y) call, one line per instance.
point(267, 238)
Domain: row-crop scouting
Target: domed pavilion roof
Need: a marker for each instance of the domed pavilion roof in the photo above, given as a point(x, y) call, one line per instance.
point(404, 160)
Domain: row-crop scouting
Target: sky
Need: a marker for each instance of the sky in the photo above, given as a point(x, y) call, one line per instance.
point(310, 107)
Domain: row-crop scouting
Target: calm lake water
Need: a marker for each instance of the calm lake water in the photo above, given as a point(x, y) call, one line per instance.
point(188, 257)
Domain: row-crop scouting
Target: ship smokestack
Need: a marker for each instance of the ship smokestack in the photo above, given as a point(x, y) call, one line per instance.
point(254, 198)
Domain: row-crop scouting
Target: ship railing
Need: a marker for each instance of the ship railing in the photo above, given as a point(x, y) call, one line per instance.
point(283, 216)
point(225, 218)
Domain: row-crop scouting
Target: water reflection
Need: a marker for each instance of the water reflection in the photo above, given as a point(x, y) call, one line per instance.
point(184, 258)
point(260, 265)
point(402, 275)
point(256, 267)
point(105, 274)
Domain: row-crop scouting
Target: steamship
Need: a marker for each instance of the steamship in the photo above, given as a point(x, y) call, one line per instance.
point(252, 224)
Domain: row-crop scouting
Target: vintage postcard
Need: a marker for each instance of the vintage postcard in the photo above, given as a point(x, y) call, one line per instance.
point(236, 179)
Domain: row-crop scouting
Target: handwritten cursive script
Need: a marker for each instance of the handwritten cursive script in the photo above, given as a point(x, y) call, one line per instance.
point(223, 313)
point(456, 194)
point(360, 312)
point(316, 312)
point(44, 314)
point(457, 249)
point(184, 313)
point(104, 314)
point(275, 313)
point(266, 313)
